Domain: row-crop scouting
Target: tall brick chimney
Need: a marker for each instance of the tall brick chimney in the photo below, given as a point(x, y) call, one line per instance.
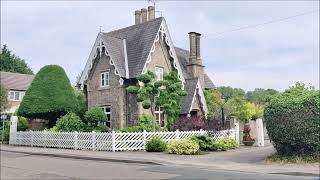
point(144, 15)
point(151, 13)
point(137, 17)
point(195, 67)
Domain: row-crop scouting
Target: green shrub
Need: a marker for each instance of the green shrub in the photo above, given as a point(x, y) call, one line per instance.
point(204, 141)
point(69, 123)
point(218, 146)
point(229, 143)
point(49, 96)
point(156, 144)
point(95, 115)
point(293, 121)
point(22, 124)
point(144, 123)
point(183, 147)
point(54, 129)
point(4, 134)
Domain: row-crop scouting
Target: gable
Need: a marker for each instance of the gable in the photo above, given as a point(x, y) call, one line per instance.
point(160, 58)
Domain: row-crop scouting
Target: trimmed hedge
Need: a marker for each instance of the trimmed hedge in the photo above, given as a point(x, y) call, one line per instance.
point(49, 96)
point(293, 121)
point(183, 147)
point(156, 144)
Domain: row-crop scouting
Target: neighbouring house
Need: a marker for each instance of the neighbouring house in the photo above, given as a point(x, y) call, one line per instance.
point(118, 57)
point(16, 84)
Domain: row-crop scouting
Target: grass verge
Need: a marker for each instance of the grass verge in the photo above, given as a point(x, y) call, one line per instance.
point(294, 159)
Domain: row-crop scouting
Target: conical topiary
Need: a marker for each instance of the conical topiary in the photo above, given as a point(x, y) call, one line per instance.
point(49, 96)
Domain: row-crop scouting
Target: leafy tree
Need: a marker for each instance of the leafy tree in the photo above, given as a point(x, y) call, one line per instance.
point(166, 93)
point(260, 96)
point(94, 116)
point(240, 109)
point(49, 96)
point(3, 98)
point(81, 101)
point(214, 102)
point(12, 63)
point(69, 123)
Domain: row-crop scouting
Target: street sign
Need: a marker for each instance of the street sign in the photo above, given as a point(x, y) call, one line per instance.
point(3, 117)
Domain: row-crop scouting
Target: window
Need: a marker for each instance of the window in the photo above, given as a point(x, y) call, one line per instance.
point(159, 73)
point(16, 95)
point(104, 79)
point(160, 116)
point(107, 111)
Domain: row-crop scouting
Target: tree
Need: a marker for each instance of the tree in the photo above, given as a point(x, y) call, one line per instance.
point(94, 116)
point(152, 94)
point(69, 123)
point(3, 98)
point(49, 96)
point(81, 101)
point(240, 108)
point(214, 102)
point(260, 96)
point(12, 63)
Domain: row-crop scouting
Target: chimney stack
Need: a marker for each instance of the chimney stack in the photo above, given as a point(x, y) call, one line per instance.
point(137, 17)
point(195, 67)
point(144, 15)
point(151, 13)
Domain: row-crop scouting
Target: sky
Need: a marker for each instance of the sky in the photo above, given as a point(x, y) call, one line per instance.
point(234, 50)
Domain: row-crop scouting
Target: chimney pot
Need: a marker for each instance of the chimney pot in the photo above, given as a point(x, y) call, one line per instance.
point(137, 17)
point(144, 15)
point(151, 13)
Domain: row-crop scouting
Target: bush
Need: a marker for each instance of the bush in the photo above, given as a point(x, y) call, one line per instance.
point(69, 123)
point(229, 143)
point(293, 121)
point(49, 96)
point(22, 124)
point(190, 123)
point(95, 115)
point(208, 144)
point(144, 123)
point(183, 147)
point(205, 142)
point(54, 129)
point(155, 144)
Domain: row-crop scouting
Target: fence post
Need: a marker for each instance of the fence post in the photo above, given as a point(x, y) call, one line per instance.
point(113, 141)
point(260, 135)
point(93, 140)
point(32, 136)
point(237, 132)
point(144, 139)
point(45, 138)
point(202, 132)
point(75, 140)
point(177, 134)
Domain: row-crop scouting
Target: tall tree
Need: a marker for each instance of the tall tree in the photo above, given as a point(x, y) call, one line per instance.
point(3, 98)
point(49, 96)
point(259, 96)
point(214, 102)
point(12, 63)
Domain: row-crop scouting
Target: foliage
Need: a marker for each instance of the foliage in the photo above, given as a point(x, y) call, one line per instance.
point(12, 63)
point(156, 144)
point(229, 92)
point(166, 93)
point(5, 132)
point(49, 96)
point(3, 98)
point(208, 144)
point(204, 141)
point(81, 102)
point(239, 108)
point(258, 111)
point(293, 121)
point(214, 102)
point(22, 124)
point(94, 116)
point(183, 147)
point(144, 123)
point(69, 123)
point(260, 96)
point(190, 123)
point(54, 129)
point(229, 143)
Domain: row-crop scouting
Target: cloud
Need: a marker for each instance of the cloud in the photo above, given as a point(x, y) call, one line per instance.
point(270, 56)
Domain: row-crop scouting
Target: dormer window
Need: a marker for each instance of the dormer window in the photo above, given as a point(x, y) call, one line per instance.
point(159, 73)
point(104, 79)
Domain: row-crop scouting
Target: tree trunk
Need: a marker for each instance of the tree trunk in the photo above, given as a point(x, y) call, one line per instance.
point(153, 118)
point(222, 117)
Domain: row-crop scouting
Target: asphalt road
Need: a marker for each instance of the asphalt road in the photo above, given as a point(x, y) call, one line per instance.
point(25, 166)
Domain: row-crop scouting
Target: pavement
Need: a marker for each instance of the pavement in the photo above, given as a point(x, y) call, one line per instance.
point(243, 159)
point(27, 166)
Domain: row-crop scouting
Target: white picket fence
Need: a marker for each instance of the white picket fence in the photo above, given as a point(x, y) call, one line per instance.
point(113, 141)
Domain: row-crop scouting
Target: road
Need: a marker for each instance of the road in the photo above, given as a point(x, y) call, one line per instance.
point(26, 166)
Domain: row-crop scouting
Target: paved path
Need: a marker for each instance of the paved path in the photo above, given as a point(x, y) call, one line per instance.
point(26, 166)
point(245, 159)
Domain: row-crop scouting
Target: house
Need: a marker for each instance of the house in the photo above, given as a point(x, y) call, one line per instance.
point(16, 84)
point(118, 57)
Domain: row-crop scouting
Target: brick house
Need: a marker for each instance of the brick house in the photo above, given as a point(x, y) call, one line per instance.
point(119, 56)
point(16, 84)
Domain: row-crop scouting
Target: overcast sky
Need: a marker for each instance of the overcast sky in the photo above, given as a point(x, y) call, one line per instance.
point(273, 55)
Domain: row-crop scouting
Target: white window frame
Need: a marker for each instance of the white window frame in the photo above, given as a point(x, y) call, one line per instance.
point(159, 73)
point(16, 95)
point(104, 108)
point(160, 115)
point(104, 82)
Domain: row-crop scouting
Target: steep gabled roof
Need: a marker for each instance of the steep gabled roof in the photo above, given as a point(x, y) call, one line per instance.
point(183, 57)
point(15, 81)
point(139, 40)
point(190, 88)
